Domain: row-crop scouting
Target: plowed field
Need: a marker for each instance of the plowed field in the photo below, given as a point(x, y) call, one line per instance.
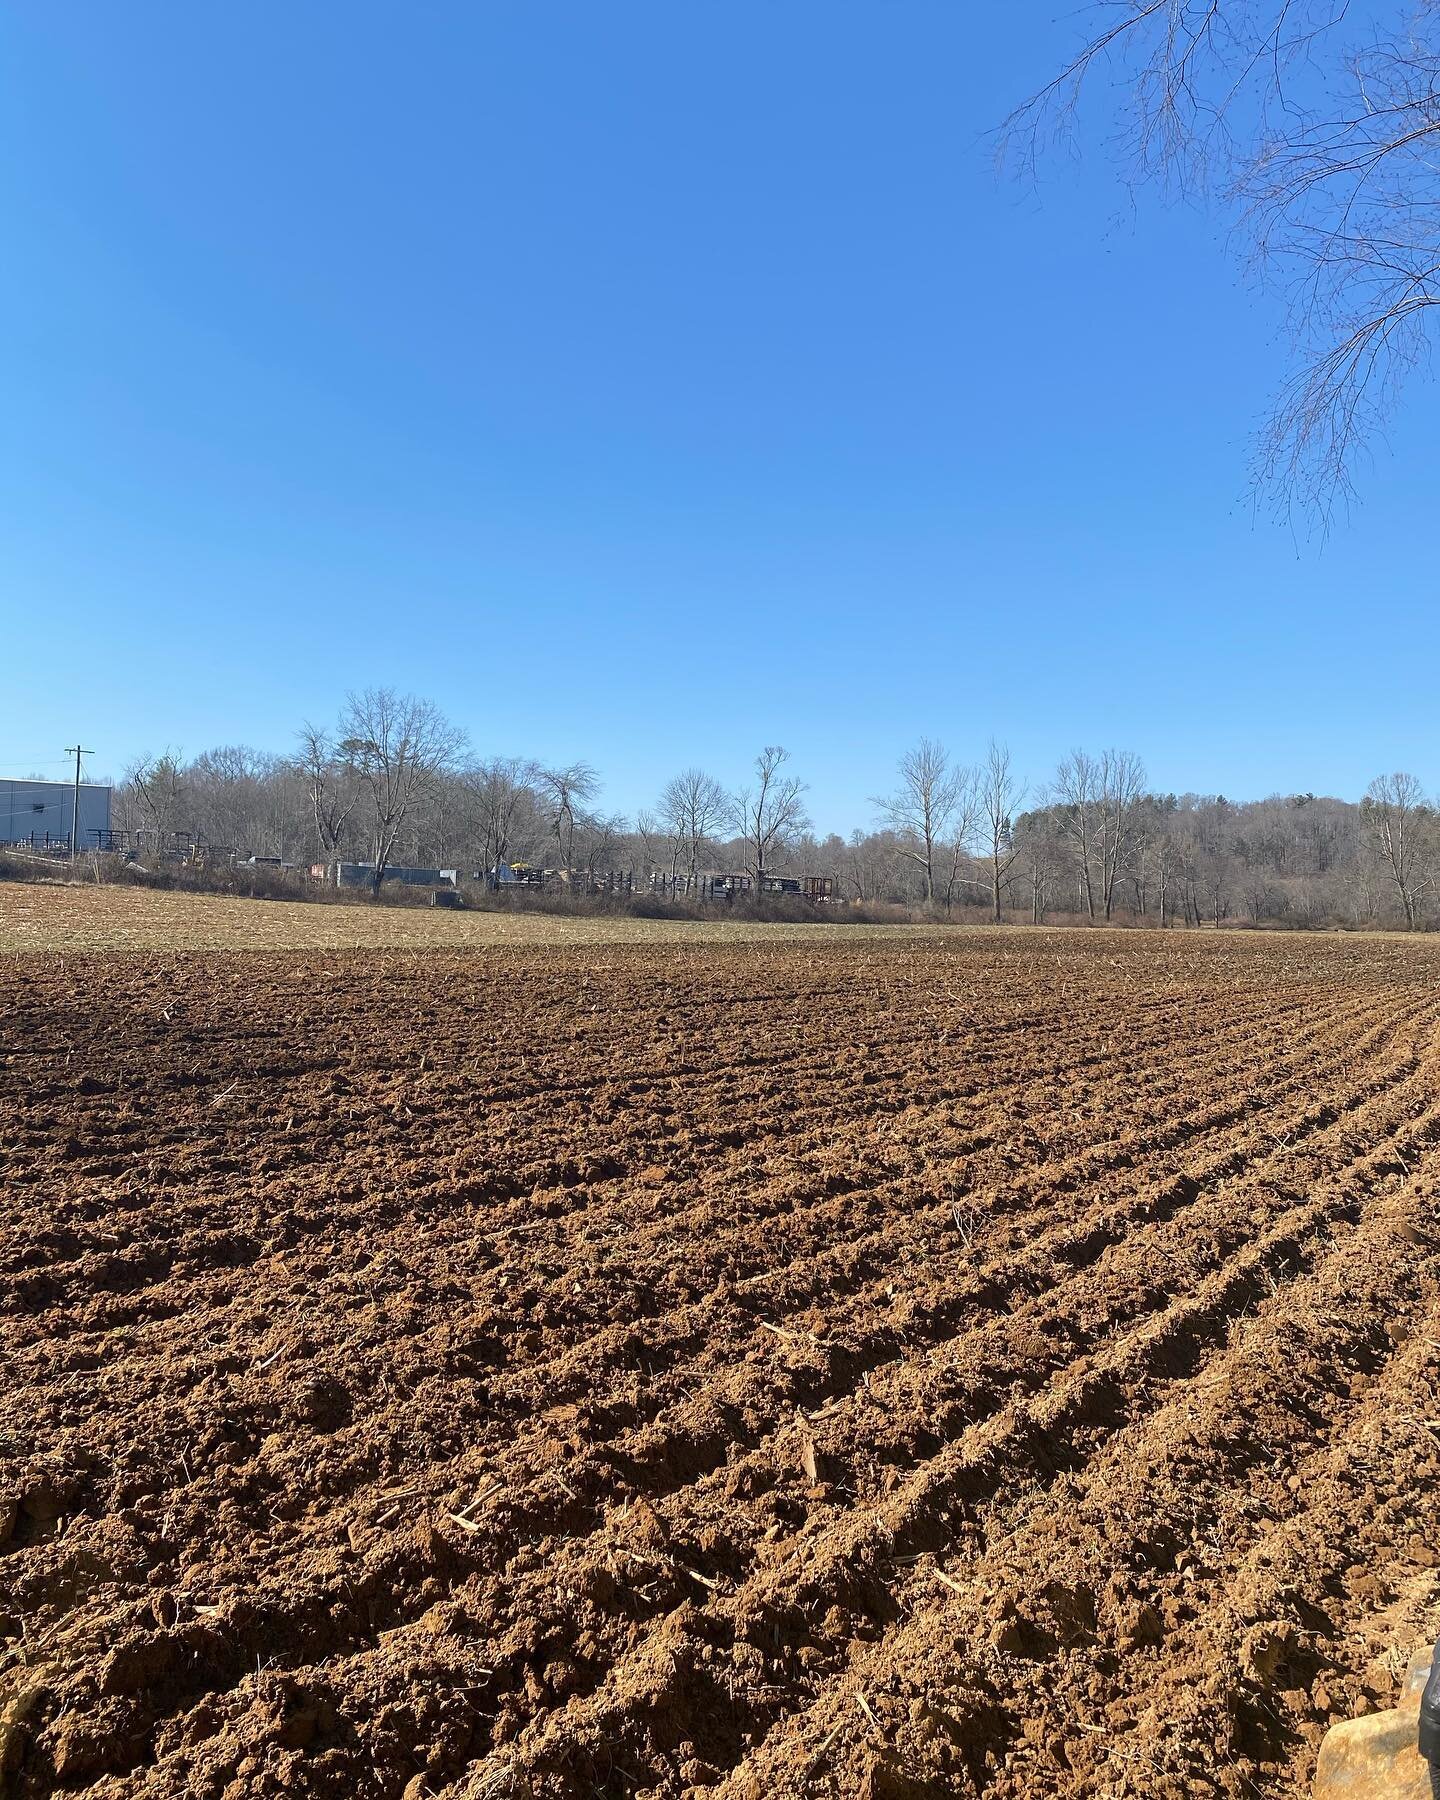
point(892, 1366)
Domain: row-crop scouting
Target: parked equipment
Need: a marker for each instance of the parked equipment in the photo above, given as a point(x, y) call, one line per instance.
point(1391, 1755)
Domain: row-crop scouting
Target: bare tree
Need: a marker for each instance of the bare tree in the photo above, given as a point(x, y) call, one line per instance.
point(1075, 798)
point(566, 791)
point(1398, 820)
point(599, 840)
point(501, 793)
point(1214, 877)
point(398, 746)
point(158, 786)
point(864, 855)
point(332, 784)
point(1000, 796)
point(921, 811)
point(1040, 855)
point(233, 791)
point(1321, 133)
point(958, 856)
point(772, 812)
point(1122, 788)
point(650, 832)
point(1163, 857)
point(693, 808)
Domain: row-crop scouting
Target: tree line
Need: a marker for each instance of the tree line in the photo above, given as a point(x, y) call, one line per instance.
point(393, 781)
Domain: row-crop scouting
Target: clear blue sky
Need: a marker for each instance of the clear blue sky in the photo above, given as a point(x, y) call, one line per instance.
point(648, 382)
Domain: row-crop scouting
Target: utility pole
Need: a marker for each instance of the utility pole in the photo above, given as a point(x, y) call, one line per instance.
point(75, 751)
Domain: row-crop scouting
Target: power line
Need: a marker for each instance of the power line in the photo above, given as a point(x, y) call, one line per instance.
point(77, 752)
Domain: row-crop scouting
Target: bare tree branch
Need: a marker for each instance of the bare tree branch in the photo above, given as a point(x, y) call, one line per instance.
point(1328, 155)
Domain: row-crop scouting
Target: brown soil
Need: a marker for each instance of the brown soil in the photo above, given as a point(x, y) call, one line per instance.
point(892, 1367)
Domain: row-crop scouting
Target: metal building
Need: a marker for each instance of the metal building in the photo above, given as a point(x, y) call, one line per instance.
point(41, 812)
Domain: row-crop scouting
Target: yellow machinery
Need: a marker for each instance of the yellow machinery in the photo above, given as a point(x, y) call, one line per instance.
point(1391, 1755)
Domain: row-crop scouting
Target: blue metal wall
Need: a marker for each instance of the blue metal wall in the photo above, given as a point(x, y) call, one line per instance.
point(40, 808)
